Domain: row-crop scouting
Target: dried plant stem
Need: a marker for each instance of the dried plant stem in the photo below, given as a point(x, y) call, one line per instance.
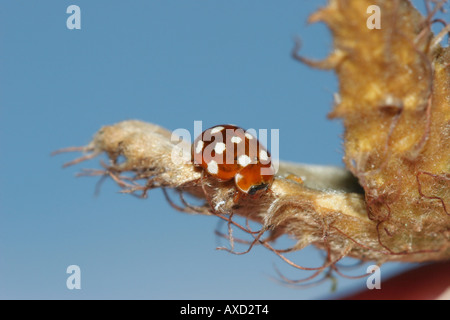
point(392, 204)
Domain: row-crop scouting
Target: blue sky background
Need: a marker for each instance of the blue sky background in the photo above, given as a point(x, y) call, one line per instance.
point(168, 62)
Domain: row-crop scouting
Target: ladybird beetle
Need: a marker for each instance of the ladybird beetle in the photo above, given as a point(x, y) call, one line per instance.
point(227, 152)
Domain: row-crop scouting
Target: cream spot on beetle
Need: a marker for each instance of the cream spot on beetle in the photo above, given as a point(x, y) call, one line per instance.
point(217, 129)
point(213, 168)
point(263, 155)
point(244, 160)
point(199, 147)
point(219, 148)
point(237, 179)
point(236, 140)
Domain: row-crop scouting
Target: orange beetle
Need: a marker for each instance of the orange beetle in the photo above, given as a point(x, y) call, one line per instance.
point(228, 152)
